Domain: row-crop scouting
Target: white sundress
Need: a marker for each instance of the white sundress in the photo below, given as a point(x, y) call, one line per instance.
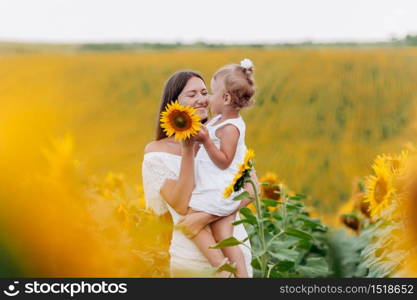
point(185, 257)
point(211, 181)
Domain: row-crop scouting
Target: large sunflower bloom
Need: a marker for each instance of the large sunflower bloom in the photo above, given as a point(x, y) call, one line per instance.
point(180, 121)
point(380, 190)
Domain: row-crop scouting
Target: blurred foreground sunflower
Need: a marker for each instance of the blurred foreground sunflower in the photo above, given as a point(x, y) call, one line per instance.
point(180, 121)
point(380, 190)
point(395, 164)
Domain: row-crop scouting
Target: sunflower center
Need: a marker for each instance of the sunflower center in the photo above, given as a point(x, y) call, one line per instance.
point(381, 190)
point(181, 120)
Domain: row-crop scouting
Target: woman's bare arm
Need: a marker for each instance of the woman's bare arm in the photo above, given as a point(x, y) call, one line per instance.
point(177, 193)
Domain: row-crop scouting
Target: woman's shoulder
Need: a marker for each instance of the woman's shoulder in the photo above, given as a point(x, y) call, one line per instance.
point(160, 149)
point(153, 146)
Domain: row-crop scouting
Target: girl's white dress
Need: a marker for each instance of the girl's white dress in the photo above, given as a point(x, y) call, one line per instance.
point(186, 258)
point(210, 181)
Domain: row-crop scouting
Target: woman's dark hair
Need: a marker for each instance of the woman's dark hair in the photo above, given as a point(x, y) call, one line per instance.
point(173, 88)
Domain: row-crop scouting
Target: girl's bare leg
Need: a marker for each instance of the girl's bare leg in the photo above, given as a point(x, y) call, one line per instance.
point(203, 240)
point(223, 229)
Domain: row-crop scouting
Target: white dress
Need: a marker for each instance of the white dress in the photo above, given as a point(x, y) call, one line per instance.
point(186, 258)
point(211, 181)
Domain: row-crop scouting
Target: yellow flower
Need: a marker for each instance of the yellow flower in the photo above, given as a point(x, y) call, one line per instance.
point(228, 191)
point(180, 121)
point(243, 169)
point(272, 208)
point(272, 190)
point(395, 164)
point(252, 207)
point(250, 155)
point(380, 190)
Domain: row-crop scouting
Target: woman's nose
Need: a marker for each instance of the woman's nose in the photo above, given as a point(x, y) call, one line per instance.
point(203, 100)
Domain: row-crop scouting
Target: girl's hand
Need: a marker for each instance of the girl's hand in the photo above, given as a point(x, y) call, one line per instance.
point(193, 223)
point(203, 135)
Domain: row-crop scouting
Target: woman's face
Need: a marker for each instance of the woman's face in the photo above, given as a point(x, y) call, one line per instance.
point(195, 95)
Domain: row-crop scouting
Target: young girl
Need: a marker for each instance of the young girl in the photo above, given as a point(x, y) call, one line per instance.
point(223, 149)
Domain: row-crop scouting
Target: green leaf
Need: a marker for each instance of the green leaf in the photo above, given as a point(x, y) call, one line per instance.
point(269, 202)
point(227, 268)
point(315, 267)
point(297, 197)
point(241, 221)
point(298, 233)
point(229, 242)
point(247, 213)
point(283, 242)
point(305, 244)
point(293, 207)
point(242, 196)
point(285, 254)
point(284, 266)
point(258, 253)
point(314, 224)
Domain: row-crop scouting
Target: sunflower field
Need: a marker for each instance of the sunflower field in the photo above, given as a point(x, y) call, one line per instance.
point(73, 126)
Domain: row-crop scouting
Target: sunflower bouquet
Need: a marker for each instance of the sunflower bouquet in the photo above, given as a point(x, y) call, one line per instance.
point(180, 121)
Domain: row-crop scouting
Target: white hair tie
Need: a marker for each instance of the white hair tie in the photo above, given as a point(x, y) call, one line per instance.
point(246, 63)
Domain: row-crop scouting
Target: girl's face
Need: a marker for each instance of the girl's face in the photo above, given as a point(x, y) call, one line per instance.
point(217, 100)
point(195, 95)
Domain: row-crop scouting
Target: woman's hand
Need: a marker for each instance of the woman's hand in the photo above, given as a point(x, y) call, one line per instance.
point(193, 223)
point(189, 143)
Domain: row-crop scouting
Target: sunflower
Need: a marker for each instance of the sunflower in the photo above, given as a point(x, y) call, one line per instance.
point(180, 121)
point(242, 174)
point(394, 163)
point(270, 188)
point(249, 156)
point(380, 190)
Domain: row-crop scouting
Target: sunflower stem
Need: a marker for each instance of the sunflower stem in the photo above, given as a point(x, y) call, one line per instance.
point(261, 232)
point(284, 207)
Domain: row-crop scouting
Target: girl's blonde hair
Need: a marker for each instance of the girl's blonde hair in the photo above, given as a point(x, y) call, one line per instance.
point(239, 83)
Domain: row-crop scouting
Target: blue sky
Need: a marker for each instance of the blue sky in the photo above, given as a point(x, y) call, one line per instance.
point(213, 20)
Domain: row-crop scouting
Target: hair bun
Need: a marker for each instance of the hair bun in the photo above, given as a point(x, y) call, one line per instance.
point(247, 66)
point(246, 63)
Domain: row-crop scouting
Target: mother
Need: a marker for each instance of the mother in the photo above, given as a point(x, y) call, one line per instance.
point(168, 179)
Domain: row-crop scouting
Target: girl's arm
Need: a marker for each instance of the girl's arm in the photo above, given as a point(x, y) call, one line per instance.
point(177, 193)
point(229, 136)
